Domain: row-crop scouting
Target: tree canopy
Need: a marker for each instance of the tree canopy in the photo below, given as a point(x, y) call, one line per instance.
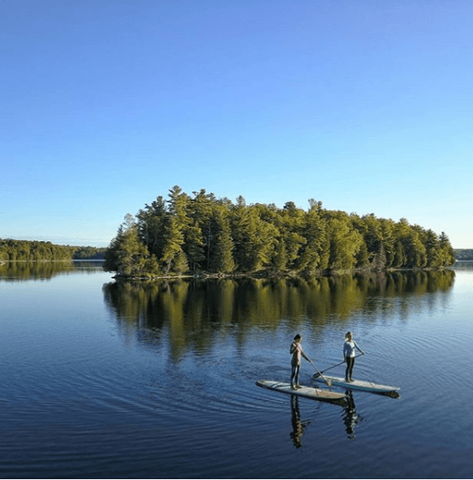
point(27, 250)
point(200, 233)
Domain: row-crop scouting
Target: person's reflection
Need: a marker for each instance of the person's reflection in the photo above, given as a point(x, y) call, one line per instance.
point(298, 426)
point(350, 417)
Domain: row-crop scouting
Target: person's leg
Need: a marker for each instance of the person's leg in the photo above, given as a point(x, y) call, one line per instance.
point(293, 375)
point(347, 370)
point(352, 364)
point(298, 371)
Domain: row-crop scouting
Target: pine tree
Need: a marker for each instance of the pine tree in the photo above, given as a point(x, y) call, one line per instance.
point(203, 205)
point(447, 254)
point(194, 247)
point(310, 254)
point(126, 254)
point(221, 260)
point(203, 233)
point(151, 225)
point(173, 259)
point(291, 225)
point(345, 241)
point(252, 237)
point(432, 246)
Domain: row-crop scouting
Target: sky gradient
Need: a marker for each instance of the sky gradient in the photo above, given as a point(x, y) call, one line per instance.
point(107, 104)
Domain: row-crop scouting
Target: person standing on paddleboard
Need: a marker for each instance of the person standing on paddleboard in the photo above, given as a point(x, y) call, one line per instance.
point(297, 354)
point(349, 353)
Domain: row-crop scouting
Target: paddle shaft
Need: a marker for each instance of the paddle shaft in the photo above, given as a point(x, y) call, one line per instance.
point(338, 364)
point(320, 374)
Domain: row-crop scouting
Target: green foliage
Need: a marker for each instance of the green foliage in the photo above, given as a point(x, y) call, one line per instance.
point(222, 244)
point(344, 241)
point(25, 250)
point(200, 233)
point(89, 253)
point(463, 253)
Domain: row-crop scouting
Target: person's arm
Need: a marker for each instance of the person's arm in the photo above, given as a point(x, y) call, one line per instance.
point(305, 356)
point(345, 348)
point(359, 349)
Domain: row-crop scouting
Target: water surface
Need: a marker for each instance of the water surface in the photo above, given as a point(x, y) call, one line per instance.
point(106, 379)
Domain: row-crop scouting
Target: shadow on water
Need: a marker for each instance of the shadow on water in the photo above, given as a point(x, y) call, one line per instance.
point(191, 313)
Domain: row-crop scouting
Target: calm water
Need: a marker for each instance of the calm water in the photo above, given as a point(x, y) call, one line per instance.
point(100, 379)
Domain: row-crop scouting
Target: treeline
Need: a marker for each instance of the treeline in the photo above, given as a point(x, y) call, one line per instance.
point(463, 254)
point(203, 234)
point(25, 250)
point(89, 253)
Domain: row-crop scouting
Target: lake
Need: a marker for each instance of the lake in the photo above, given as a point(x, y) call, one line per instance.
point(157, 380)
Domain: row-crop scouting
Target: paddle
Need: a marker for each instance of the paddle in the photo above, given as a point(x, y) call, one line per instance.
point(319, 374)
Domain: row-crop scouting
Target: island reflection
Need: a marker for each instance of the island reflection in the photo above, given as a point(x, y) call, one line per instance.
point(23, 271)
point(190, 312)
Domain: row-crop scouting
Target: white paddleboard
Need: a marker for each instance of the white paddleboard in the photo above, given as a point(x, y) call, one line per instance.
point(357, 384)
point(307, 392)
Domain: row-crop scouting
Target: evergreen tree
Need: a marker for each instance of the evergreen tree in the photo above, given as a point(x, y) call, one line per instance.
point(399, 258)
point(252, 237)
point(151, 226)
point(126, 254)
point(345, 241)
point(222, 244)
point(203, 233)
point(174, 260)
point(291, 225)
point(194, 246)
point(311, 256)
point(447, 254)
point(432, 246)
point(362, 257)
point(202, 208)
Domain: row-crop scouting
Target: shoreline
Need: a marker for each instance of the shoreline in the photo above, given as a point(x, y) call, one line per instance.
point(275, 275)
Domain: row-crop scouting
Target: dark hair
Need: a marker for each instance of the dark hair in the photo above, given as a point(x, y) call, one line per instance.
point(297, 337)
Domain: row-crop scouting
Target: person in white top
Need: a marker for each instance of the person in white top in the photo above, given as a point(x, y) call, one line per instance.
point(349, 353)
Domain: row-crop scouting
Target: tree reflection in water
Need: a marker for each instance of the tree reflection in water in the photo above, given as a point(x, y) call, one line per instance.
point(20, 271)
point(191, 313)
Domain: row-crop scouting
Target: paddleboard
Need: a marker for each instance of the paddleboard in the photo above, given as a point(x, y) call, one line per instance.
point(307, 392)
point(357, 384)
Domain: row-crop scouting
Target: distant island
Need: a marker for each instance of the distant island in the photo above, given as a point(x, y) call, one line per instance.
point(203, 235)
point(463, 254)
point(26, 250)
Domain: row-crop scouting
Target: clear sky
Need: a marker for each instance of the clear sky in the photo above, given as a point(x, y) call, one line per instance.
point(364, 105)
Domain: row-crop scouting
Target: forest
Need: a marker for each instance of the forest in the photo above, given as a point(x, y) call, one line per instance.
point(464, 254)
point(204, 235)
point(26, 250)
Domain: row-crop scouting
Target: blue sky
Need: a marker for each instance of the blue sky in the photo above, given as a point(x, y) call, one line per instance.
point(363, 105)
